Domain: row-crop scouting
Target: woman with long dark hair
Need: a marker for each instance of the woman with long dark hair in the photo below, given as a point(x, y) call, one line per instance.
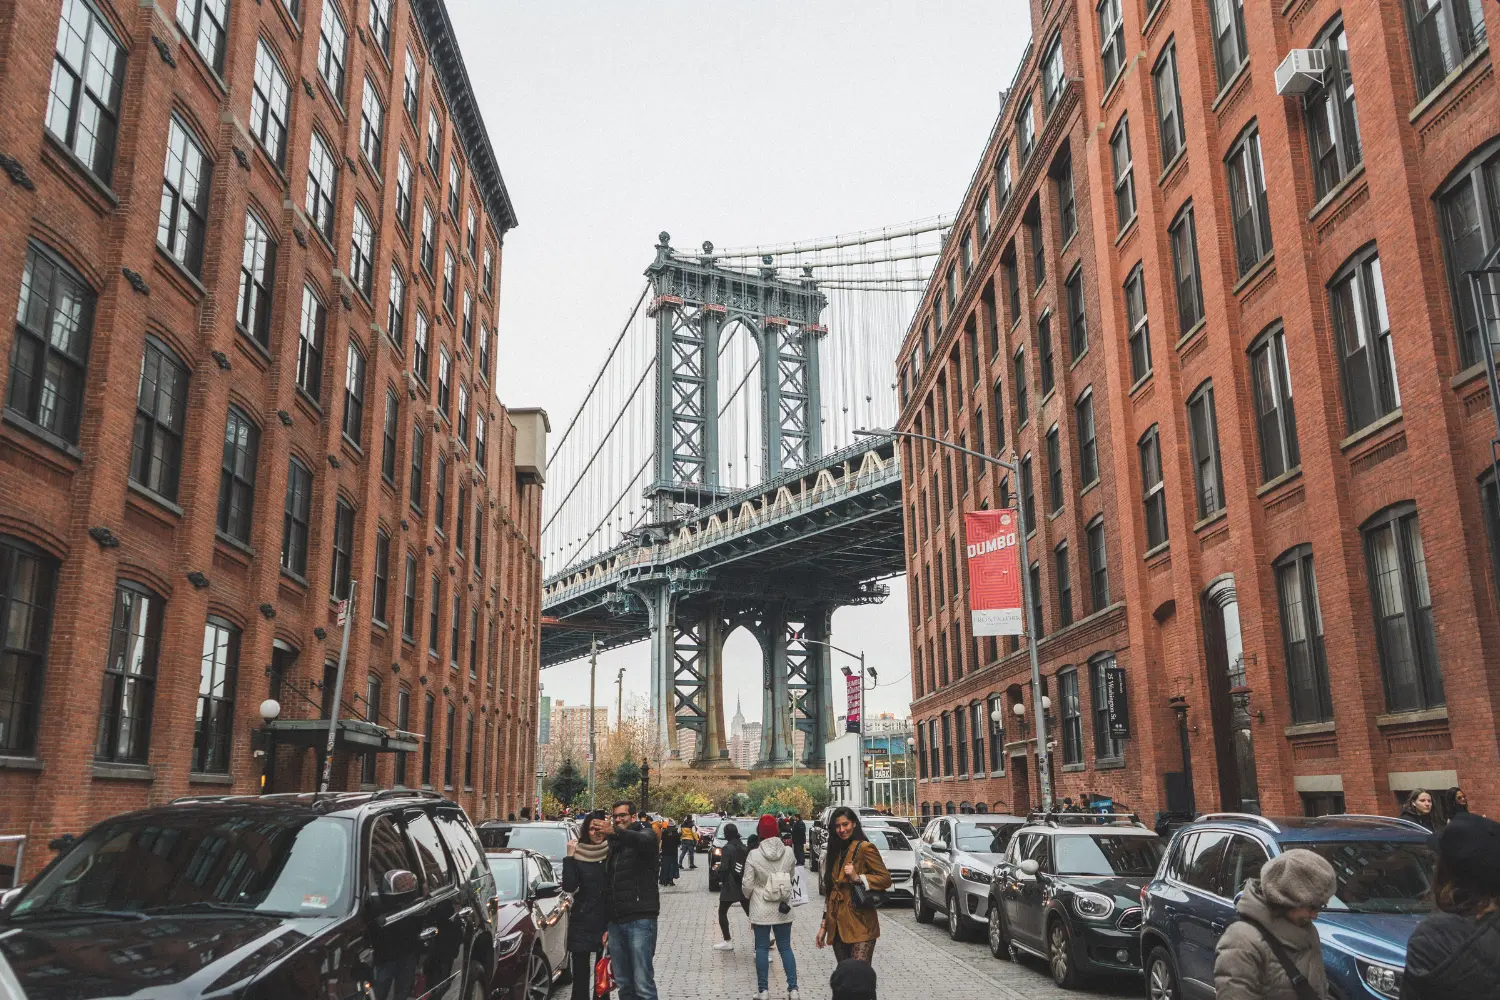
point(583, 876)
point(850, 859)
point(1454, 954)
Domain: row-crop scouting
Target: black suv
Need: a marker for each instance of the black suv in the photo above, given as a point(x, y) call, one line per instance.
point(382, 895)
point(1068, 890)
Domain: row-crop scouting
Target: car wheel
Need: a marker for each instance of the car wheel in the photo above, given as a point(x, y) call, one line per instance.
point(956, 929)
point(999, 936)
point(477, 989)
point(1060, 955)
point(919, 907)
point(1161, 981)
point(538, 977)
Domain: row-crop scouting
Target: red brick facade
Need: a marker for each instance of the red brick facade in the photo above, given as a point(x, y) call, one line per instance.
point(97, 507)
point(1274, 528)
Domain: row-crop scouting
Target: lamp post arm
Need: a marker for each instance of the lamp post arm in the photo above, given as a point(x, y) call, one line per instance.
point(939, 441)
point(839, 649)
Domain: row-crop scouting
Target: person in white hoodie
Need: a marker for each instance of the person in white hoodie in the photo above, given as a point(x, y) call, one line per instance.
point(769, 871)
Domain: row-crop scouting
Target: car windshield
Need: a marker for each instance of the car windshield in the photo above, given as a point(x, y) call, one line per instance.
point(201, 860)
point(549, 840)
point(508, 881)
point(1106, 854)
point(984, 838)
point(887, 840)
point(1379, 876)
point(708, 822)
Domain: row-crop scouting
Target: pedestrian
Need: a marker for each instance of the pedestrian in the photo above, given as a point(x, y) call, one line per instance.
point(689, 844)
point(768, 886)
point(799, 839)
point(853, 980)
point(671, 841)
point(850, 859)
point(1418, 809)
point(583, 875)
point(731, 873)
point(634, 904)
point(1272, 951)
point(1454, 954)
point(1455, 803)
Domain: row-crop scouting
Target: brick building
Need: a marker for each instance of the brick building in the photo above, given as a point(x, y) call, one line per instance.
point(568, 735)
point(1258, 569)
point(253, 250)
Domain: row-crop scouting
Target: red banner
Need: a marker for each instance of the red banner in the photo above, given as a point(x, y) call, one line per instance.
point(855, 689)
point(994, 572)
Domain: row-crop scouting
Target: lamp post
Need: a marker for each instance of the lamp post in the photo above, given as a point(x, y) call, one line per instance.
point(270, 711)
point(908, 783)
point(1043, 770)
point(874, 675)
point(1179, 706)
point(860, 656)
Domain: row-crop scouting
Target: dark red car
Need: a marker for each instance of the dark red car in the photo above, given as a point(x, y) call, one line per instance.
point(531, 925)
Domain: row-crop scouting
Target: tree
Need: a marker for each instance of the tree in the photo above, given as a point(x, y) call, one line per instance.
point(627, 774)
point(567, 784)
point(789, 798)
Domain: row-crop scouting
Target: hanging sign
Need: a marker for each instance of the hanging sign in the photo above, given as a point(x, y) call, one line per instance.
point(855, 684)
point(994, 572)
point(1118, 708)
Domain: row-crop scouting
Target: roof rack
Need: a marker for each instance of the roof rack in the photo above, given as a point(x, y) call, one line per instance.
point(1389, 819)
point(1059, 818)
point(406, 793)
point(1248, 817)
point(186, 799)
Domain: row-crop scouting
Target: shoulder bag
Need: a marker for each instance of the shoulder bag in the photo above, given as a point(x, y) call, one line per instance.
point(869, 899)
point(1299, 981)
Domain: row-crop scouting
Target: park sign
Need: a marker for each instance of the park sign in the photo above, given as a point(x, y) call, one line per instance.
point(994, 572)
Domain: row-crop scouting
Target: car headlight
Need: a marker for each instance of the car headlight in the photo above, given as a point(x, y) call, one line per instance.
point(1383, 979)
point(974, 875)
point(1093, 905)
point(506, 946)
point(718, 851)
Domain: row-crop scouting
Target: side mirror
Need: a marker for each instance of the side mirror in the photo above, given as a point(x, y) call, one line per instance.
point(397, 888)
point(1028, 868)
point(546, 890)
point(938, 847)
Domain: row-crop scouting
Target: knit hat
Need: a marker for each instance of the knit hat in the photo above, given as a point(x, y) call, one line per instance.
point(853, 980)
point(1297, 878)
point(1469, 848)
point(767, 829)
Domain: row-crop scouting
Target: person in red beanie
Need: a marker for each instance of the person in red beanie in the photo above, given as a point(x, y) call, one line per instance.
point(768, 887)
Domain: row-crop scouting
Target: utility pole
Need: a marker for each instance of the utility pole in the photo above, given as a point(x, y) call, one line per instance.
point(593, 748)
point(620, 699)
point(338, 688)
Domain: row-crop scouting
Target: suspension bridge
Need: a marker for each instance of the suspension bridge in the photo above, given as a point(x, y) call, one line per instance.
point(711, 477)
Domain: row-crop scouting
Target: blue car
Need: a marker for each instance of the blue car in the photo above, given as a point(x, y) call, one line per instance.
point(1384, 868)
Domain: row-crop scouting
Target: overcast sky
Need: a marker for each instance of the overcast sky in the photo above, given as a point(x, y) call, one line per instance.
point(737, 122)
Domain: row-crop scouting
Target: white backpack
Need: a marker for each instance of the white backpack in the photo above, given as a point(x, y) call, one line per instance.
point(778, 889)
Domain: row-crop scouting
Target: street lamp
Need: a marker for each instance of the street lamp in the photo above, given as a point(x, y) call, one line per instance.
point(270, 710)
point(1043, 771)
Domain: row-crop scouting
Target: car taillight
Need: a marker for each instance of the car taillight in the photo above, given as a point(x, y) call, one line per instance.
point(1143, 896)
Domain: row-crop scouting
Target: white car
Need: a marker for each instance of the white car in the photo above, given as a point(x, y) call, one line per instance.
point(900, 859)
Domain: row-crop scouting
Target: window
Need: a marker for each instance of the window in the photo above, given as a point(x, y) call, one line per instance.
point(445, 369)
point(489, 271)
point(1230, 52)
point(479, 452)
point(362, 252)
point(454, 611)
point(922, 750)
point(203, 22)
point(1247, 201)
point(478, 538)
point(434, 140)
point(294, 523)
point(1021, 403)
point(411, 84)
point(468, 319)
point(1063, 578)
point(1098, 565)
point(310, 344)
point(354, 394)
point(999, 409)
point(28, 579)
point(459, 510)
point(1208, 473)
point(388, 438)
point(129, 676)
point(1034, 624)
point(1028, 495)
point(1470, 210)
point(1053, 79)
point(322, 184)
point(958, 740)
point(484, 351)
point(1067, 208)
point(455, 183)
point(1038, 252)
point(1403, 610)
point(1140, 333)
point(382, 576)
point(1072, 716)
point(1169, 125)
point(428, 734)
point(403, 723)
point(371, 123)
point(343, 549)
point(471, 234)
point(1088, 445)
point(1443, 33)
point(450, 280)
point(440, 491)
point(1185, 270)
point(966, 254)
point(418, 441)
point(1002, 179)
point(83, 105)
point(450, 728)
point(434, 598)
point(184, 198)
point(1154, 497)
point(1054, 470)
point(380, 24)
point(332, 38)
point(49, 356)
point(429, 238)
point(1275, 419)
point(1124, 170)
point(1332, 127)
point(997, 734)
point(982, 214)
point(419, 347)
point(1044, 346)
point(1366, 357)
point(160, 415)
point(409, 602)
point(237, 475)
point(469, 752)
point(473, 646)
point(1112, 40)
point(1302, 637)
point(257, 275)
point(395, 309)
point(947, 746)
point(216, 682)
point(1106, 746)
point(1025, 132)
point(1013, 287)
point(270, 101)
point(1489, 496)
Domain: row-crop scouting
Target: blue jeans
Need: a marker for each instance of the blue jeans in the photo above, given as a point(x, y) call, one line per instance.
point(685, 854)
point(783, 934)
point(632, 947)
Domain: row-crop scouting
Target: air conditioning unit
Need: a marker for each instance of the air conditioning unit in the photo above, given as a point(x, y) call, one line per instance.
point(1300, 72)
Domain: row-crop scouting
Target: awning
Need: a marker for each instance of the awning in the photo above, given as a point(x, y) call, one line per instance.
point(354, 735)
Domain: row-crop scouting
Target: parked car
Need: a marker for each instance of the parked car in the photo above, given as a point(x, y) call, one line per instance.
point(1068, 891)
point(262, 897)
point(1384, 869)
point(708, 828)
point(955, 859)
point(899, 855)
point(531, 925)
point(897, 823)
point(549, 838)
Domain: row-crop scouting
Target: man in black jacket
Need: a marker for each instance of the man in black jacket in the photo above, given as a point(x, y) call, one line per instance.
point(631, 874)
point(799, 839)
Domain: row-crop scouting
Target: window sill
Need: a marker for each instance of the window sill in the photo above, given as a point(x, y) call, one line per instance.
point(1140, 383)
point(235, 544)
point(111, 771)
point(1046, 396)
point(1110, 764)
point(277, 168)
point(1054, 515)
point(258, 353)
point(1091, 487)
point(1439, 714)
point(335, 102)
point(1269, 486)
point(1309, 729)
point(178, 273)
point(41, 433)
point(154, 497)
point(1230, 85)
point(1069, 241)
point(20, 764)
point(1153, 17)
point(315, 408)
point(1256, 270)
point(1126, 229)
point(1157, 550)
point(1039, 288)
point(1426, 103)
point(1335, 191)
point(1192, 334)
point(351, 446)
point(1114, 85)
point(1172, 167)
point(97, 188)
point(1468, 375)
point(1370, 430)
point(1213, 518)
point(1072, 768)
point(203, 778)
point(1077, 358)
point(300, 581)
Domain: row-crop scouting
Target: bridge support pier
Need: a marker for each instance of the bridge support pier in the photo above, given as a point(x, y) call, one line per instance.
point(698, 684)
point(798, 695)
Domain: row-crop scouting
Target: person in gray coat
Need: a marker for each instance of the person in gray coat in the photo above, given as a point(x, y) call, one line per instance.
point(769, 874)
point(1275, 929)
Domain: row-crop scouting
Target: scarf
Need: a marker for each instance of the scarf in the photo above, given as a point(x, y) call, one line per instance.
point(583, 851)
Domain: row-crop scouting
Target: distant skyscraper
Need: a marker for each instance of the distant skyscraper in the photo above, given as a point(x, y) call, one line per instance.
point(737, 724)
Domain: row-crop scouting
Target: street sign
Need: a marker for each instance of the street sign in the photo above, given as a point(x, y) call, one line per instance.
point(854, 686)
point(994, 572)
point(882, 770)
point(343, 612)
point(1116, 705)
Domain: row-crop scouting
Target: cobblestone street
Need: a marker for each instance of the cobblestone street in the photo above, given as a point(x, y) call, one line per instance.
point(910, 960)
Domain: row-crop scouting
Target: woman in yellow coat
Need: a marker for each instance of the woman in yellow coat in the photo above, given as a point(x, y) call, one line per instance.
point(849, 859)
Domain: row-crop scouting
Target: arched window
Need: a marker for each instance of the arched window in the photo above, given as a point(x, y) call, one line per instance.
point(28, 579)
point(1362, 327)
point(1469, 207)
point(50, 354)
